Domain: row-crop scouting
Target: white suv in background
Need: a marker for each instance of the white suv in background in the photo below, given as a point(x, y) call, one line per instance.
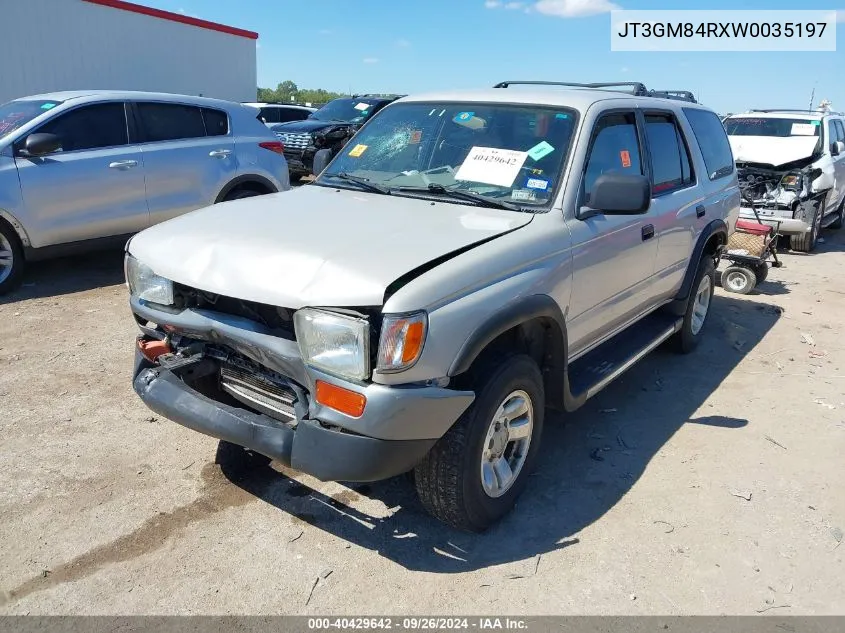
point(272, 113)
point(793, 163)
point(87, 169)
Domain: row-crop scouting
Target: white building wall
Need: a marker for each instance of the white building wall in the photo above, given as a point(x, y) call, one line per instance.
point(51, 45)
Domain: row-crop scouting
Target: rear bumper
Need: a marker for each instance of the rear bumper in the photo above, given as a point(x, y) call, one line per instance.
point(329, 454)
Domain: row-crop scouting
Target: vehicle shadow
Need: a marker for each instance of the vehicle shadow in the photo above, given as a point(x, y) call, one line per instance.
point(66, 275)
point(589, 461)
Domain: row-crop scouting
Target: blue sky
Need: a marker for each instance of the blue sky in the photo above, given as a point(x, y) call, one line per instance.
point(408, 46)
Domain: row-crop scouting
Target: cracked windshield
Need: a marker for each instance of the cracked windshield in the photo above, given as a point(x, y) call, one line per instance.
point(493, 155)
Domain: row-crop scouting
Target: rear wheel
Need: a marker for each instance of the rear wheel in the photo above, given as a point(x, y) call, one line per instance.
point(698, 307)
point(11, 259)
point(761, 271)
point(840, 217)
point(474, 474)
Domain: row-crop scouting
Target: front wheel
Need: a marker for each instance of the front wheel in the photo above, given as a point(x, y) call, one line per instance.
point(806, 242)
point(11, 259)
point(475, 472)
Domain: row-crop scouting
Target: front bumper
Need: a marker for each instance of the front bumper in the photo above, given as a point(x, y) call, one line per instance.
point(784, 224)
point(300, 160)
point(309, 446)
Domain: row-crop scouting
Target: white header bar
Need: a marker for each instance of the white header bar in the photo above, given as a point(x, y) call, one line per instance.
point(679, 30)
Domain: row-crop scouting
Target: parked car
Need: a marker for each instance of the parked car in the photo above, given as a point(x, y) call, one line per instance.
point(273, 113)
point(330, 127)
point(468, 260)
point(796, 160)
point(82, 170)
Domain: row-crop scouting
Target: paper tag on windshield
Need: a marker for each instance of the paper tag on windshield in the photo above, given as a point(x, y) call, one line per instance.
point(492, 166)
point(358, 150)
point(803, 129)
point(540, 150)
point(362, 106)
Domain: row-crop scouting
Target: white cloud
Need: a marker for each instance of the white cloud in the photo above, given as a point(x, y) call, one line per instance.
point(492, 4)
point(514, 5)
point(190, 15)
point(370, 60)
point(574, 8)
point(403, 43)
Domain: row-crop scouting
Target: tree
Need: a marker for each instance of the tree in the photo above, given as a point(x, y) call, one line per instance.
point(287, 89)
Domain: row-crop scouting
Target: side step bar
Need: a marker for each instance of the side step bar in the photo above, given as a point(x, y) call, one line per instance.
point(594, 371)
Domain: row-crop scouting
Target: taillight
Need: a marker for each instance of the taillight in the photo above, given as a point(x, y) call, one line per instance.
point(273, 146)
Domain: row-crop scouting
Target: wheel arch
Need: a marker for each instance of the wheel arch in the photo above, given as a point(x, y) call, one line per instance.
point(17, 227)
point(534, 325)
point(247, 181)
point(712, 238)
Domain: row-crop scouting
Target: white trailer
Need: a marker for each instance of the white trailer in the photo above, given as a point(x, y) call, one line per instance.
point(52, 45)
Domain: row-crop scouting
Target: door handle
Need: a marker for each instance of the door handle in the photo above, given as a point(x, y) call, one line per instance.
point(123, 164)
point(700, 211)
point(220, 153)
point(648, 232)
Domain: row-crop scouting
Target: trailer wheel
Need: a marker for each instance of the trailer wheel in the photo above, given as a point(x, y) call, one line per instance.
point(738, 279)
point(761, 271)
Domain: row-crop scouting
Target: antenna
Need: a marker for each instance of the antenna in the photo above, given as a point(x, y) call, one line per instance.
point(812, 98)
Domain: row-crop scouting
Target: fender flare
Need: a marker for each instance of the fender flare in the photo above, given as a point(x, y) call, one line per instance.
point(716, 227)
point(508, 317)
point(240, 180)
point(16, 226)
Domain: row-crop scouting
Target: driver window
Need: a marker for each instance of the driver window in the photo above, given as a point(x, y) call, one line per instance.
point(614, 148)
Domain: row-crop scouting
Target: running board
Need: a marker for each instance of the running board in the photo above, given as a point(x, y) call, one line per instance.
point(596, 370)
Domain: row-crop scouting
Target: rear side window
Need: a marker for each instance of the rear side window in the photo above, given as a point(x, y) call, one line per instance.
point(670, 164)
point(292, 114)
point(614, 148)
point(216, 122)
point(170, 121)
point(840, 130)
point(90, 127)
point(713, 142)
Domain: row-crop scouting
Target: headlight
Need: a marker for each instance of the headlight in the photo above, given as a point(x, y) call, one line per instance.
point(145, 284)
point(402, 339)
point(791, 181)
point(333, 342)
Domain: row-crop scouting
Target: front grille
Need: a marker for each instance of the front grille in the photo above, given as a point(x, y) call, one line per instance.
point(278, 320)
point(259, 393)
point(295, 140)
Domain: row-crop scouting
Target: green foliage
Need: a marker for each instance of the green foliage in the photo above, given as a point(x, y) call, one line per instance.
point(287, 89)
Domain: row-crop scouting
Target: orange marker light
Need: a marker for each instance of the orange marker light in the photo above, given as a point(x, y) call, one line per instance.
point(413, 341)
point(349, 402)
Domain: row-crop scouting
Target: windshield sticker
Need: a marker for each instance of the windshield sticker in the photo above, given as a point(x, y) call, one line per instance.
point(540, 149)
point(523, 194)
point(537, 183)
point(561, 115)
point(492, 166)
point(48, 106)
point(358, 150)
point(463, 117)
point(803, 129)
point(625, 157)
point(817, 123)
point(416, 137)
point(362, 106)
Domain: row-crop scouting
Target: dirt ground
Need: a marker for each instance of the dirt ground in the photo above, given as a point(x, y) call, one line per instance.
point(703, 484)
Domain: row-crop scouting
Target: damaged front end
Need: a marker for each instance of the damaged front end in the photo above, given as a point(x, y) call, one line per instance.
point(779, 194)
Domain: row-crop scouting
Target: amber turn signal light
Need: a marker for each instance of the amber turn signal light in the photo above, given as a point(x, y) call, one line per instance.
point(349, 402)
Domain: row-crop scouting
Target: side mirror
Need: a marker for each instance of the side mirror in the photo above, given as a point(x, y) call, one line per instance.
point(837, 147)
point(322, 158)
point(618, 194)
point(41, 144)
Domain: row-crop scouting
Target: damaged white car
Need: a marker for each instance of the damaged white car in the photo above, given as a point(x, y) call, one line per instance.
point(793, 165)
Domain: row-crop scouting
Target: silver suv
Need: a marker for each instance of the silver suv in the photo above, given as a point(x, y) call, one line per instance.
point(467, 261)
point(80, 170)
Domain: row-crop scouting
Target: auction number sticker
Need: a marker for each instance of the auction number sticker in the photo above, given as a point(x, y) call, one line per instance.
point(492, 166)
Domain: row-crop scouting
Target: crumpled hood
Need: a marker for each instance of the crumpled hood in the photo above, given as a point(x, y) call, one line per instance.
point(772, 150)
point(306, 125)
point(313, 246)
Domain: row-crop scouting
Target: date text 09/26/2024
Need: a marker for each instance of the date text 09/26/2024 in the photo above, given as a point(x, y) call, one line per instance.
point(417, 624)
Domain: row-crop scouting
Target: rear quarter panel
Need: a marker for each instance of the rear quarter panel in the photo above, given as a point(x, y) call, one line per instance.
point(252, 158)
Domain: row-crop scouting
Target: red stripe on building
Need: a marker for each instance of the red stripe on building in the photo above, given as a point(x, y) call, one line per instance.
point(174, 17)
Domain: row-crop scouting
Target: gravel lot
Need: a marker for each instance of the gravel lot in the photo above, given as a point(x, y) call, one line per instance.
point(704, 484)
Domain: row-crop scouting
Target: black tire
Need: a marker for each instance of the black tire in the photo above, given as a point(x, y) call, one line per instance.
point(739, 279)
point(688, 338)
point(840, 218)
point(240, 194)
point(806, 242)
point(12, 261)
point(448, 480)
point(761, 272)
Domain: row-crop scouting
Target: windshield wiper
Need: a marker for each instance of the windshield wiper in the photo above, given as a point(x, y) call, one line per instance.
point(363, 182)
point(482, 200)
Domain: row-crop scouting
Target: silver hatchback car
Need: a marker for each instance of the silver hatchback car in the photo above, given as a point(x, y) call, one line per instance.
point(82, 170)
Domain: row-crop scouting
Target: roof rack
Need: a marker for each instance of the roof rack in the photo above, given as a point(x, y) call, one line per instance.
point(378, 96)
point(636, 88)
